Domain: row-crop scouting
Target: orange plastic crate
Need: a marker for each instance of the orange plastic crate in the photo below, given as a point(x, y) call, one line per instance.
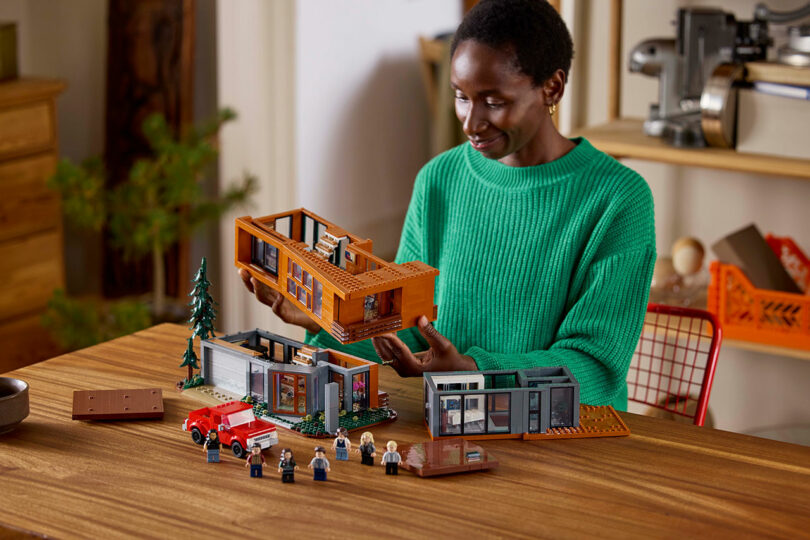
point(759, 315)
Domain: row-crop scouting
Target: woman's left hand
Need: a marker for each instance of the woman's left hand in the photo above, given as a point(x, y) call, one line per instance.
point(442, 355)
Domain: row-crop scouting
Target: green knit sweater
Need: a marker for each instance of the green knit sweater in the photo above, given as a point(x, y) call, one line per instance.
point(539, 266)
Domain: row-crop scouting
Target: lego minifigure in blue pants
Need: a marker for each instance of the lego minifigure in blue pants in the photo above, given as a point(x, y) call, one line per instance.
point(319, 464)
point(342, 445)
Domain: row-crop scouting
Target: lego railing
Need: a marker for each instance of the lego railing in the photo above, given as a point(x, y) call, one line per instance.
point(362, 330)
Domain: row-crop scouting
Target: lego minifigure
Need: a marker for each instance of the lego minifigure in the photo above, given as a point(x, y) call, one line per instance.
point(367, 449)
point(287, 466)
point(255, 460)
point(391, 458)
point(319, 464)
point(211, 446)
point(342, 445)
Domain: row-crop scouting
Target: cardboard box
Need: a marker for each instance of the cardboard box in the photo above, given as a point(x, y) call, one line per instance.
point(774, 125)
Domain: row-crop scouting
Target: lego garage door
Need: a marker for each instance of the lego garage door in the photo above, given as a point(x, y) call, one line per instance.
point(228, 373)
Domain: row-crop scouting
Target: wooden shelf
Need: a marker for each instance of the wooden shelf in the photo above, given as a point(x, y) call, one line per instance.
point(625, 138)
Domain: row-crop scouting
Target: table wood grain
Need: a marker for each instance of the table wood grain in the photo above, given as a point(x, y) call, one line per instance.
point(146, 478)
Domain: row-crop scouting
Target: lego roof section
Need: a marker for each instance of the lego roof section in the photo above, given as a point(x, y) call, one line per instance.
point(387, 276)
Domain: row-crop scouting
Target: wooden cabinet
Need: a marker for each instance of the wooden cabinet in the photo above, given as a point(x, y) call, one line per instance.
point(31, 248)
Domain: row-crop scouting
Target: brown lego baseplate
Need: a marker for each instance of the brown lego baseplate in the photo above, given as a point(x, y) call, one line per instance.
point(446, 456)
point(594, 421)
point(136, 403)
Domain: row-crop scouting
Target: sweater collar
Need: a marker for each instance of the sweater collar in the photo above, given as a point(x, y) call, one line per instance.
point(495, 173)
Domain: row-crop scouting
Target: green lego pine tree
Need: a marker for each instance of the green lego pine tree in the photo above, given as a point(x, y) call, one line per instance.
point(190, 360)
point(202, 305)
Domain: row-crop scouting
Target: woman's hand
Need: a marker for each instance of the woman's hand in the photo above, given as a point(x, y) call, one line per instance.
point(283, 308)
point(442, 355)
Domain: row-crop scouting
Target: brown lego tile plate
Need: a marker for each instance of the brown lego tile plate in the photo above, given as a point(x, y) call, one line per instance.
point(445, 456)
point(594, 421)
point(136, 403)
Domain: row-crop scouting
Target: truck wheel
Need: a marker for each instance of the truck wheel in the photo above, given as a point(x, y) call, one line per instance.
point(197, 436)
point(238, 450)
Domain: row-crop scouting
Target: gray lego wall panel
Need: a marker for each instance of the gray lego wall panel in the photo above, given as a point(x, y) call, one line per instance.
point(545, 410)
point(518, 421)
point(331, 411)
point(321, 379)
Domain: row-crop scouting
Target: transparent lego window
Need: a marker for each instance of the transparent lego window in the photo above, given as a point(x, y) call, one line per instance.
point(296, 271)
point(257, 251)
point(562, 407)
point(239, 418)
point(302, 295)
point(307, 280)
point(534, 412)
point(271, 259)
point(498, 414)
point(450, 414)
point(360, 391)
point(257, 382)
point(283, 226)
point(291, 287)
point(474, 414)
point(309, 232)
point(317, 295)
point(492, 382)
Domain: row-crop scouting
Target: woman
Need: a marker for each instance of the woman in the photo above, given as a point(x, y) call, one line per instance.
point(545, 245)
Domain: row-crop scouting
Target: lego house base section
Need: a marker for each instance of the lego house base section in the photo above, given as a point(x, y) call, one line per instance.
point(308, 426)
point(314, 427)
point(594, 421)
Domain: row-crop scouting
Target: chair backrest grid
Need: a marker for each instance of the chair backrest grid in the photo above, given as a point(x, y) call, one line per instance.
point(675, 359)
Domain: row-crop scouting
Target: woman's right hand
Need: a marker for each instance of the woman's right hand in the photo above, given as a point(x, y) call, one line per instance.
point(283, 308)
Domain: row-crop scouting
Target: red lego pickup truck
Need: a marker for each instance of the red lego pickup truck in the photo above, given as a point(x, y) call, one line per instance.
point(235, 425)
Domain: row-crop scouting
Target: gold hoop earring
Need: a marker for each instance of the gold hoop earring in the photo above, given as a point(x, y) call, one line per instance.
point(552, 109)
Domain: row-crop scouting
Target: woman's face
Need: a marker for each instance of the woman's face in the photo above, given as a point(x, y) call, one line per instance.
point(501, 111)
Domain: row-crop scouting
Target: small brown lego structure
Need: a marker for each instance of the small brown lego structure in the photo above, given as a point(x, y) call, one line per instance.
point(136, 403)
point(445, 456)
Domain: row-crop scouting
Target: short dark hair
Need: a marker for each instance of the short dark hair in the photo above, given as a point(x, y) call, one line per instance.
point(531, 28)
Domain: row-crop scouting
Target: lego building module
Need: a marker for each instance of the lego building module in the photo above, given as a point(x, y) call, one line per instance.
point(290, 383)
point(537, 403)
point(232, 424)
point(332, 275)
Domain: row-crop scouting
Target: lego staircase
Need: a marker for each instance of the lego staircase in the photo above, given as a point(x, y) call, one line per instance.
point(304, 356)
point(328, 246)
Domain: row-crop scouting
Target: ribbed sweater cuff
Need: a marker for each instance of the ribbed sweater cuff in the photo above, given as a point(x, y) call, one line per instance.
point(483, 359)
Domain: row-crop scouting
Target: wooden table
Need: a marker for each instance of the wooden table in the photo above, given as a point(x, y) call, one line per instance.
point(146, 478)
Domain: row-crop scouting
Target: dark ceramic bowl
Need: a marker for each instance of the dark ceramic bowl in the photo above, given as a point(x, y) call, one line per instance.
point(13, 403)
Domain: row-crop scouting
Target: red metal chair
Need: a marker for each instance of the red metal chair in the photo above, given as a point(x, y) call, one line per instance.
point(675, 360)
